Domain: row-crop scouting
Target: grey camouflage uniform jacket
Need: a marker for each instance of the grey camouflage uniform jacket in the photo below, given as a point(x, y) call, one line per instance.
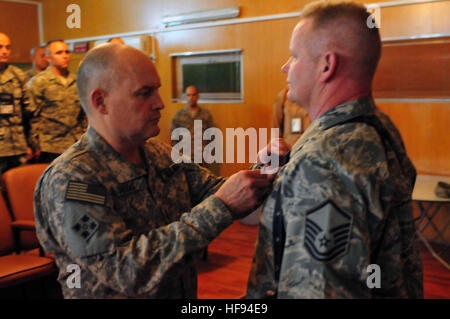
point(133, 231)
point(345, 199)
point(58, 119)
point(12, 133)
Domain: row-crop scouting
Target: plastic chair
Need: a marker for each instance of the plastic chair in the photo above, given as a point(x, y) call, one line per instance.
point(20, 183)
point(18, 268)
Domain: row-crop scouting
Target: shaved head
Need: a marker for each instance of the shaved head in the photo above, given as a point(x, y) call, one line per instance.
point(97, 70)
point(106, 66)
point(118, 89)
point(5, 48)
point(342, 26)
point(4, 37)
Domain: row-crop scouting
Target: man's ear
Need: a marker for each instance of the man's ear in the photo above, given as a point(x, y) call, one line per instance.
point(329, 64)
point(97, 97)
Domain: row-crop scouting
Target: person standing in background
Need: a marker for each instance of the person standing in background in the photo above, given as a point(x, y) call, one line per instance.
point(39, 61)
point(13, 102)
point(291, 119)
point(185, 118)
point(58, 120)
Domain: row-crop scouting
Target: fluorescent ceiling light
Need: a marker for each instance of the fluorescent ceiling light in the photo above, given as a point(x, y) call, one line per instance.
point(200, 16)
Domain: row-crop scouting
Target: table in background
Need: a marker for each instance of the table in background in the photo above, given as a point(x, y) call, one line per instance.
point(429, 206)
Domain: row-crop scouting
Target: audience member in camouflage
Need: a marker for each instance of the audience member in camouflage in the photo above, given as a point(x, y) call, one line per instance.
point(343, 201)
point(291, 119)
point(58, 119)
point(39, 61)
point(185, 118)
point(13, 102)
point(117, 206)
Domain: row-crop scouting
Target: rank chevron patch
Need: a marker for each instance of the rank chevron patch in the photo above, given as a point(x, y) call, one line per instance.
point(327, 231)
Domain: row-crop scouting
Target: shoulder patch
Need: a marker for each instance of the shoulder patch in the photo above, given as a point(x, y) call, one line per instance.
point(85, 227)
point(83, 192)
point(327, 231)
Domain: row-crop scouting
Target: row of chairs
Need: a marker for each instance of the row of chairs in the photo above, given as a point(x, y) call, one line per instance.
point(21, 257)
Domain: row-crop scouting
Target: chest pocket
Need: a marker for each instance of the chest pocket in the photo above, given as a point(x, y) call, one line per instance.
point(171, 192)
point(136, 206)
point(6, 104)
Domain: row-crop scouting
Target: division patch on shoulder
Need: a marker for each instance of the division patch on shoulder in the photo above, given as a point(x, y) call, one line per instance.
point(327, 231)
point(83, 192)
point(85, 227)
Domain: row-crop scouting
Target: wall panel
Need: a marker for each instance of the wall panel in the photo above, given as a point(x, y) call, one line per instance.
point(20, 22)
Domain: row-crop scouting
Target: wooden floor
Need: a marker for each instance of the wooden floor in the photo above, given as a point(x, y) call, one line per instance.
point(224, 274)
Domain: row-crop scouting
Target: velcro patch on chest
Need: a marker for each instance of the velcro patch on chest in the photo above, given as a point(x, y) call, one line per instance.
point(83, 192)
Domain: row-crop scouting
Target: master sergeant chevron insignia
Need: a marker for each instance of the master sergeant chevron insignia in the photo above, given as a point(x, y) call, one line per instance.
point(327, 231)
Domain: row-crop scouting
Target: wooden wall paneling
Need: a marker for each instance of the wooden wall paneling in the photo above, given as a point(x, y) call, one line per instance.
point(20, 22)
point(415, 19)
point(414, 70)
point(425, 128)
point(265, 49)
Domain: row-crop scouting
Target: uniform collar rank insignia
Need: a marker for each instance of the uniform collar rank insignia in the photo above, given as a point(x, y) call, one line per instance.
point(327, 231)
point(83, 192)
point(85, 227)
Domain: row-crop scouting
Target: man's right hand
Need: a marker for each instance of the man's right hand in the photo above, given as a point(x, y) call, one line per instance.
point(244, 191)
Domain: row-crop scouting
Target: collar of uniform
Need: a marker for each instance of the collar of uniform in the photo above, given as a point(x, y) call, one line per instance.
point(186, 109)
point(336, 115)
point(6, 75)
point(54, 77)
point(346, 111)
point(120, 168)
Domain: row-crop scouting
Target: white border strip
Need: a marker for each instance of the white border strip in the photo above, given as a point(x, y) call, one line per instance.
point(413, 100)
point(40, 16)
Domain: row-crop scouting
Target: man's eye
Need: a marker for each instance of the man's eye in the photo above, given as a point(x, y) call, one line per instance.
point(145, 93)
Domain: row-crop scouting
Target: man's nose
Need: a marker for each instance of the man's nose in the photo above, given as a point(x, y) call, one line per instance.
point(285, 67)
point(159, 104)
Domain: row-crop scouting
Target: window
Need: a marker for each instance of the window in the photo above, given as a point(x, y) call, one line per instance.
point(216, 74)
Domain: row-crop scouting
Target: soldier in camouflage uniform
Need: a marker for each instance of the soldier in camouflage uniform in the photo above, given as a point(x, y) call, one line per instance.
point(343, 200)
point(185, 118)
point(13, 101)
point(291, 119)
point(39, 61)
point(117, 206)
point(58, 119)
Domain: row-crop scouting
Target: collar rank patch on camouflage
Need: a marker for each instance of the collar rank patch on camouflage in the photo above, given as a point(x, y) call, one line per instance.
point(85, 227)
point(327, 231)
point(86, 193)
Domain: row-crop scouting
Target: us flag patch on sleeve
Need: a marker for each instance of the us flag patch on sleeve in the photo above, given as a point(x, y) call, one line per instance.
point(83, 192)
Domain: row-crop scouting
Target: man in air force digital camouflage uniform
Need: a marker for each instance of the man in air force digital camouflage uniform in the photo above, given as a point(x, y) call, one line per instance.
point(117, 206)
point(58, 119)
point(13, 104)
point(185, 118)
point(343, 200)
